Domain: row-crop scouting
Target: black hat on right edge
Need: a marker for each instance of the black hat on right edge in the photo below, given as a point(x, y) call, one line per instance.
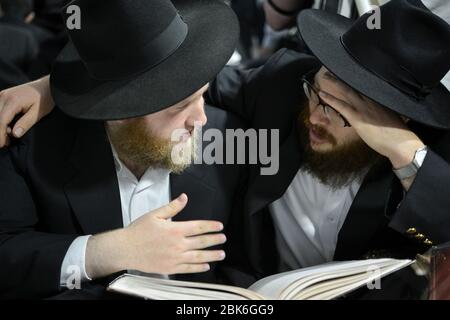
point(400, 65)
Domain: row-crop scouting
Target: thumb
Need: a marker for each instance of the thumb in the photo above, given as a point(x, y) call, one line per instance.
point(25, 122)
point(173, 208)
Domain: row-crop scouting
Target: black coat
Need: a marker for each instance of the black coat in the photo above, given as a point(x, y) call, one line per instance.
point(44, 46)
point(17, 47)
point(59, 182)
point(11, 75)
point(270, 98)
point(38, 33)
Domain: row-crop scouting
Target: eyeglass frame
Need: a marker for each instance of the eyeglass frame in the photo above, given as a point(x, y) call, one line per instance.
point(306, 81)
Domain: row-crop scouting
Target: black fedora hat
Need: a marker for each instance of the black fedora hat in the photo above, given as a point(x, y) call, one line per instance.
point(133, 58)
point(400, 65)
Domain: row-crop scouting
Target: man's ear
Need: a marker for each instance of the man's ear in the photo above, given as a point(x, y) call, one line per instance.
point(30, 17)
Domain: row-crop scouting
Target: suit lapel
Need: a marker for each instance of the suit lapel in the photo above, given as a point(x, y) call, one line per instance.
point(93, 191)
point(367, 213)
point(263, 190)
point(200, 194)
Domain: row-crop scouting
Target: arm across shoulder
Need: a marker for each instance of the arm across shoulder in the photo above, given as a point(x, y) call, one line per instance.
point(27, 103)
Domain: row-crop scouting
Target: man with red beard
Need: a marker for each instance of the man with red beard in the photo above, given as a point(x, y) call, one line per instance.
point(94, 189)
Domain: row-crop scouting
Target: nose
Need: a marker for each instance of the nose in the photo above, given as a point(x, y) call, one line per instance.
point(317, 117)
point(197, 114)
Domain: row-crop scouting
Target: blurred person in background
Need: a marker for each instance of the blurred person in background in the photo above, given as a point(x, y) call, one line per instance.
point(18, 45)
point(20, 13)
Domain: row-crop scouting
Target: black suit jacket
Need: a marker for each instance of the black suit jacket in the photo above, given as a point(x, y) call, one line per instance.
point(39, 34)
point(60, 182)
point(270, 98)
point(44, 46)
point(11, 75)
point(17, 47)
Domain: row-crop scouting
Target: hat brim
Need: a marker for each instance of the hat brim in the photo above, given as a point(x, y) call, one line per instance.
point(321, 32)
point(212, 36)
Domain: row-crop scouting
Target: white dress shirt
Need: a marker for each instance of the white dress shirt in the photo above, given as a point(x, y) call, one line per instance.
point(307, 220)
point(152, 191)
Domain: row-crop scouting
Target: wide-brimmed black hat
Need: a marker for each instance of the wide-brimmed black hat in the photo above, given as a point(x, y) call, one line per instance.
point(130, 58)
point(400, 65)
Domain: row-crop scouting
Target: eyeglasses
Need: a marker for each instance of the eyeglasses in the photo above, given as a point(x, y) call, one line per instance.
point(311, 93)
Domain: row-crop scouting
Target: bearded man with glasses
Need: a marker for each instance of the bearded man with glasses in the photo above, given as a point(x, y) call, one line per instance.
point(364, 140)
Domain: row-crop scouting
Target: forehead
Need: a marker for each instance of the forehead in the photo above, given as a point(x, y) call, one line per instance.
point(325, 74)
point(168, 112)
point(328, 82)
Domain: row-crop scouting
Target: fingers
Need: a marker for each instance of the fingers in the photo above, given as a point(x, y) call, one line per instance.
point(3, 121)
point(173, 208)
point(203, 256)
point(8, 110)
point(198, 261)
point(25, 123)
point(348, 92)
point(191, 268)
point(195, 228)
point(205, 241)
point(345, 109)
point(7, 141)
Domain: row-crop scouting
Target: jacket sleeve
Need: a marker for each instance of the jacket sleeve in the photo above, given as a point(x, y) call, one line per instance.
point(247, 92)
point(235, 90)
point(30, 260)
point(426, 206)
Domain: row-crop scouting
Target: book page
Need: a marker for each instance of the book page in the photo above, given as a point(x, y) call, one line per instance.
point(329, 288)
point(320, 282)
point(274, 286)
point(155, 288)
point(335, 288)
point(314, 280)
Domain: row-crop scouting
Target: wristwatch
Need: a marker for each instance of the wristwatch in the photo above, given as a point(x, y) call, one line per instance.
point(411, 169)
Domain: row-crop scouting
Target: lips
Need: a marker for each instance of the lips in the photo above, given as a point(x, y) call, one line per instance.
point(315, 138)
point(185, 137)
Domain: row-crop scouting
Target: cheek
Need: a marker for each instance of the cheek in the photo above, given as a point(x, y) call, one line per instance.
point(117, 124)
point(164, 126)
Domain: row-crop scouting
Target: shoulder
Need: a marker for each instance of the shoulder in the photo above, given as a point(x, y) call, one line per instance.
point(280, 76)
point(52, 133)
point(12, 32)
point(221, 119)
point(291, 62)
point(10, 75)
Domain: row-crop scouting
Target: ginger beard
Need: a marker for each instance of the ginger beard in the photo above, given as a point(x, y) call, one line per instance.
point(339, 166)
point(136, 144)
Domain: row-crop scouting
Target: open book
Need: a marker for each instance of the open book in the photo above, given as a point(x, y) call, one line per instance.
point(321, 282)
point(440, 272)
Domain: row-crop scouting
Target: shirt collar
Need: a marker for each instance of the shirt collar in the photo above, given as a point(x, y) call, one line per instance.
point(117, 162)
